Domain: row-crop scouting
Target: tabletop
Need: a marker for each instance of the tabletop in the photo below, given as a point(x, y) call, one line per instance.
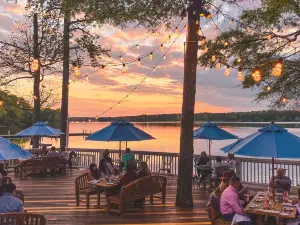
point(280, 210)
point(103, 183)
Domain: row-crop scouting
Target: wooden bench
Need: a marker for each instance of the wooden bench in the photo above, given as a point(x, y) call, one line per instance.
point(38, 165)
point(138, 189)
point(22, 219)
point(82, 187)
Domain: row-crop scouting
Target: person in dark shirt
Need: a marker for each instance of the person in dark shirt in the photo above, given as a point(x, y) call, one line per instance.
point(144, 171)
point(106, 167)
point(2, 170)
point(94, 173)
point(203, 167)
point(129, 176)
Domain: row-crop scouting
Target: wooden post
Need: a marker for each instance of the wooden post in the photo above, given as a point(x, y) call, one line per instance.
point(66, 74)
point(184, 196)
point(36, 79)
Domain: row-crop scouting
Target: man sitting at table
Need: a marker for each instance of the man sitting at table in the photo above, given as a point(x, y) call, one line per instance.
point(281, 182)
point(230, 204)
point(9, 203)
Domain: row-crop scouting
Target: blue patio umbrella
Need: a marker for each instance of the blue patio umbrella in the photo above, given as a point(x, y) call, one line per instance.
point(120, 130)
point(271, 141)
point(39, 129)
point(9, 151)
point(210, 131)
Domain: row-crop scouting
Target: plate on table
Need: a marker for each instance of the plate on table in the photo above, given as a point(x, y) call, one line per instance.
point(288, 209)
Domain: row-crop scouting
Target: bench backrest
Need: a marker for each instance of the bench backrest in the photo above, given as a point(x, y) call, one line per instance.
point(81, 182)
point(143, 187)
point(39, 162)
point(22, 219)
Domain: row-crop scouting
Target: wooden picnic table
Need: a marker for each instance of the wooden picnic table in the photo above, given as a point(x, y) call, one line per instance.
point(256, 207)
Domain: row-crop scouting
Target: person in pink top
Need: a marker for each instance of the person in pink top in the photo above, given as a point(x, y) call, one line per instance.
point(229, 202)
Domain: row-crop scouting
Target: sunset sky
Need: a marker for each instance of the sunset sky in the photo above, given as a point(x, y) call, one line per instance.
point(162, 90)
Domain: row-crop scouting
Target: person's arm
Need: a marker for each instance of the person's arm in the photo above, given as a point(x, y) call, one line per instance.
point(234, 203)
point(286, 182)
point(20, 207)
point(271, 182)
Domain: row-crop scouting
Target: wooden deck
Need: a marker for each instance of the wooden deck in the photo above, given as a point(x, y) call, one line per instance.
point(54, 197)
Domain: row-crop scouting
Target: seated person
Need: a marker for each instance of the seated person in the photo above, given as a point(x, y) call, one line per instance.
point(94, 173)
point(213, 204)
point(127, 157)
point(2, 170)
point(9, 203)
point(130, 174)
point(281, 182)
point(231, 161)
point(64, 154)
point(230, 203)
point(44, 151)
point(203, 167)
point(53, 152)
point(106, 166)
point(217, 166)
point(144, 171)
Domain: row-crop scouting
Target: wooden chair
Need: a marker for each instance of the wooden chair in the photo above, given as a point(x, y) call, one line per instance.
point(215, 219)
point(22, 219)
point(138, 189)
point(82, 187)
point(166, 168)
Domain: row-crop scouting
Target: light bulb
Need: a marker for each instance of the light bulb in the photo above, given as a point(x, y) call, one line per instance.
point(201, 15)
point(170, 37)
point(256, 75)
point(121, 58)
point(283, 100)
point(277, 68)
point(203, 41)
point(35, 97)
point(135, 89)
point(123, 68)
point(161, 47)
point(139, 62)
point(87, 79)
point(151, 56)
point(96, 117)
point(34, 65)
point(239, 60)
point(214, 26)
point(176, 30)
point(199, 32)
point(164, 57)
point(226, 44)
point(292, 44)
point(1, 103)
point(206, 50)
point(154, 69)
point(227, 71)
point(249, 30)
point(197, 22)
point(137, 46)
point(213, 58)
point(208, 16)
point(76, 71)
point(268, 88)
point(240, 75)
point(218, 65)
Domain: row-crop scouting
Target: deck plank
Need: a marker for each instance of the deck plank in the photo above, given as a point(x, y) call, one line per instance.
point(54, 197)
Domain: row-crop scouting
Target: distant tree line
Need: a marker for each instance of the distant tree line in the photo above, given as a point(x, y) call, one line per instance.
point(253, 116)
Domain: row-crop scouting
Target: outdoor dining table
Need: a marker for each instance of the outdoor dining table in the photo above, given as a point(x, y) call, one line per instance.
point(280, 210)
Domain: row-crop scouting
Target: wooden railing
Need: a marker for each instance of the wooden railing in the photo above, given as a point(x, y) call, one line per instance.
point(250, 170)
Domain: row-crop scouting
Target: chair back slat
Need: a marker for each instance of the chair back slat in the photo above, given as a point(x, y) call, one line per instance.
point(81, 182)
point(22, 219)
point(143, 187)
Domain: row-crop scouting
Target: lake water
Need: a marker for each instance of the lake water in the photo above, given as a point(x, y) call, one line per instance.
point(167, 137)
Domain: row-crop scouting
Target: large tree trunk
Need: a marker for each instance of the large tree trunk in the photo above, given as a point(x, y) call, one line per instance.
point(36, 80)
point(65, 84)
point(184, 197)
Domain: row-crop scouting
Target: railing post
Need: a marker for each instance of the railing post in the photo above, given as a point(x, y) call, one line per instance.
point(238, 168)
point(141, 159)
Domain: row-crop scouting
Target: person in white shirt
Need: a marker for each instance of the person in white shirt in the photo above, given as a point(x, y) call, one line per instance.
point(231, 161)
point(218, 164)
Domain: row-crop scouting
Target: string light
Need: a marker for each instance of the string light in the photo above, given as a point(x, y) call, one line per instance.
point(161, 47)
point(87, 79)
point(205, 49)
point(277, 68)
point(123, 68)
point(121, 58)
point(208, 15)
point(240, 75)
point(34, 65)
point(1, 103)
point(268, 88)
point(203, 40)
point(292, 44)
point(201, 14)
point(227, 71)
point(256, 75)
point(226, 44)
point(76, 71)
point(139, 62)
point(176, 30)
point(154, 69)
point(35, 97)
point(199, 31)
point(283, 100)
point(170, 37)
point(137, 46)
point(151, 55)
point(218, 65)
point(214, 26)
point(249, 30)
point(164, 57)
point(213, 58)
point(239, 60)
point(135, 89)
point(197, 22)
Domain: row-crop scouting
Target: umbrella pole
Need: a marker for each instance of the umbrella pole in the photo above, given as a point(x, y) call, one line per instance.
point(209, 146)
point(273, 180)
point(120, 160)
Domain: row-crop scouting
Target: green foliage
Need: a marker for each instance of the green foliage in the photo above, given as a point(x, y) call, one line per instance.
point(278, 20)
point(16, 113)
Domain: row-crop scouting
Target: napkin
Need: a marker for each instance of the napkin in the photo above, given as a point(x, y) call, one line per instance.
point(239, 218)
